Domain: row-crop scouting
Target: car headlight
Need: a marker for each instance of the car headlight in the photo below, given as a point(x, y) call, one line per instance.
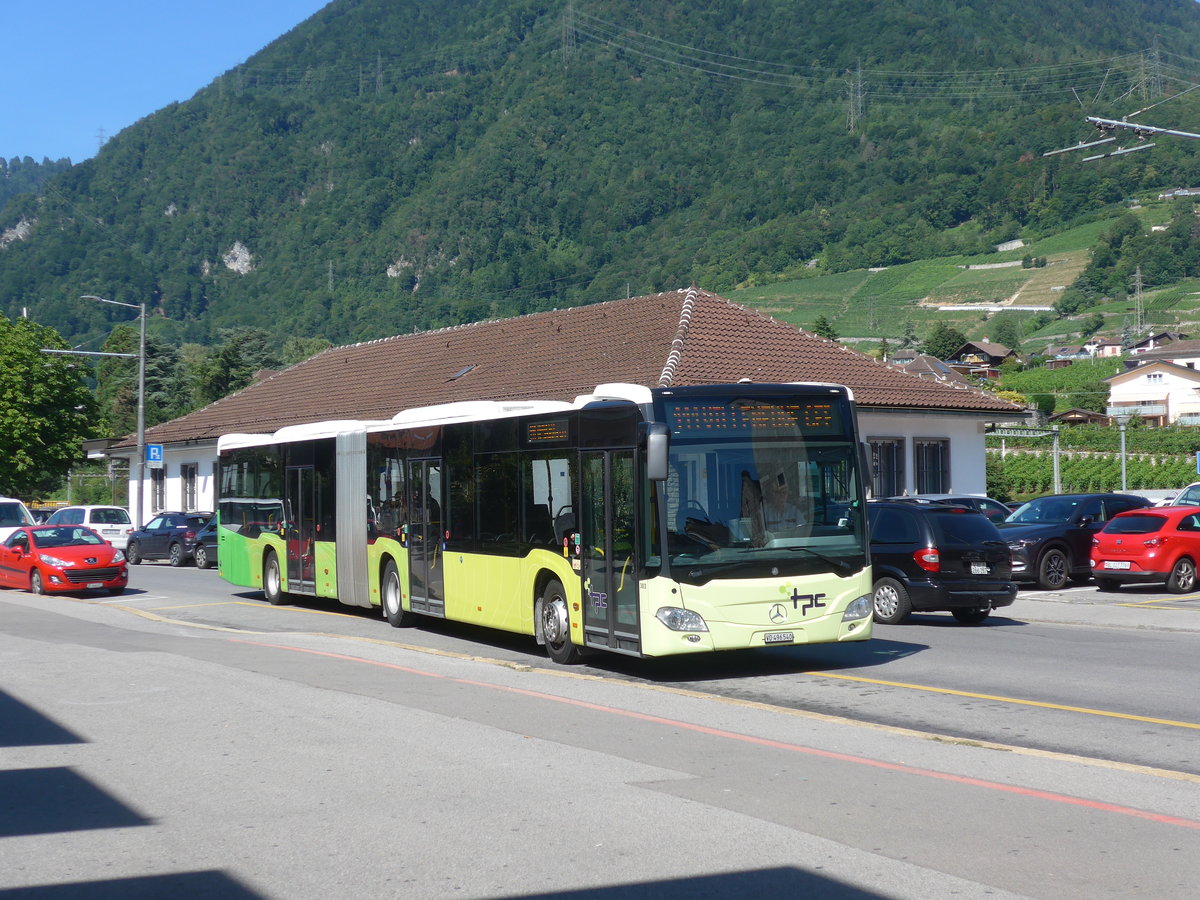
point(681, 619)
point(859, 608)
point(118, 558)
point(52, 560)
point(1019, 545)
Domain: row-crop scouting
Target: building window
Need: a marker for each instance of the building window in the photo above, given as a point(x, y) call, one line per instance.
point(887, 467)
point(1155, 378)
point(188, 478)
point(158, 490)
point(931, 459)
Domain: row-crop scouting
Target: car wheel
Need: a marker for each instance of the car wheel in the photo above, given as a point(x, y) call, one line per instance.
point(201, 556)
point(272, 580)
point(891, 602)
point(175, 555)
point(1052, 569)
point(393, 608)
point(35, 582)
point(133, 553)
point(556, 626)
point(1183, 577)
point(971, 616)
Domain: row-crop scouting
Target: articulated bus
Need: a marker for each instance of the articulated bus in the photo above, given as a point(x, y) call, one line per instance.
point(641, 521)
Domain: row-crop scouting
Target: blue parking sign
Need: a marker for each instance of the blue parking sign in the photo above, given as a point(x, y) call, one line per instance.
point(154, 453)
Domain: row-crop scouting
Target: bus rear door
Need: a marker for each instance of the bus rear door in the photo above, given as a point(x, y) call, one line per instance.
point(301, 552)
point(425, 537)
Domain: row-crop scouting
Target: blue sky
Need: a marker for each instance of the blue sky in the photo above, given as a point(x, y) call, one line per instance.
point(74, 68)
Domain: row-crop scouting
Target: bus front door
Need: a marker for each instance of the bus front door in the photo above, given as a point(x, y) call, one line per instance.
point(610, 587)
point(425, 536)
point(301, 529)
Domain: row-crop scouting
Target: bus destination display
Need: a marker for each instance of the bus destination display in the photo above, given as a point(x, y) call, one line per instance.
point(555, 431)
point(805, 416)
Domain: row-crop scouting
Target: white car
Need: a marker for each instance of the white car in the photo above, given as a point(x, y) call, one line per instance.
point(13, 515)
point(1189, 496)
point(110, 522)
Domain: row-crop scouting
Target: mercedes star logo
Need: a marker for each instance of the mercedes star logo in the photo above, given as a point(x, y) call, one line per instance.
point(778, 613)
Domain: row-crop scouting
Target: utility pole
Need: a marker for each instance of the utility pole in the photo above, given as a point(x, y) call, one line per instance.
point(1140, 319)
point(854, 93)
point(568, 32)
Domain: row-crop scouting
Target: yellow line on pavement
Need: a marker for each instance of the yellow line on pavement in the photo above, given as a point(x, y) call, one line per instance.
point(1155, 604)
point(1016, 700)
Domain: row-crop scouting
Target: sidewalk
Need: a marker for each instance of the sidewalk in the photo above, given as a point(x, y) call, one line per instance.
point(1086, 606)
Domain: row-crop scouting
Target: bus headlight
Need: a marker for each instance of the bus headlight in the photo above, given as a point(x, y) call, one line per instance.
point(681, 619)
point(859, 608)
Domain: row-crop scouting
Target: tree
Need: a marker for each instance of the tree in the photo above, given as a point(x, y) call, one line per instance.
point(232, 363)
point(46, 409)
point(824, 328)
point(943, 340)
point(908, 337)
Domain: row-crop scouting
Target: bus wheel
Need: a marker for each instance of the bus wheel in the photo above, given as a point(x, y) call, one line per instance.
point(393, 608)
point(556, 626)
point(272, 580)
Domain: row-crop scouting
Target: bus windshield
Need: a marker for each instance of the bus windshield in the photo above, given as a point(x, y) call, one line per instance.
point(739, 508)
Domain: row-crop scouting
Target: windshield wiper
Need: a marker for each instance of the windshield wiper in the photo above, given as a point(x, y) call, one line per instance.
point(836, 564)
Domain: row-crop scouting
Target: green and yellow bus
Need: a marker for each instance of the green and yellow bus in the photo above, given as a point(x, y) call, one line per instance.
point(641, 521)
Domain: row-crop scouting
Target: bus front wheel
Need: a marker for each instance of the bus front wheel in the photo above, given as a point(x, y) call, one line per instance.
point(556, 626)
point(393, 608)
point(272, 580)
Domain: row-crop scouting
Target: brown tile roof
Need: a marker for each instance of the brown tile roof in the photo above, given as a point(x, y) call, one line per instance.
point(559, 355)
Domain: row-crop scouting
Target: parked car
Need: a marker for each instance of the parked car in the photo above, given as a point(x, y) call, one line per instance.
point(13, 515)
point(993, 509)
point(1188, 496)
point(1159, 544)
point(55, 558)
point(1051, 537)
point(204, 547)
point(110, 522)
point(937, 557)
point(169, 536)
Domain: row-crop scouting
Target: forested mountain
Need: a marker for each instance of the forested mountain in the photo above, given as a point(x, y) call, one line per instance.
point(392, 165)
point(24, 176)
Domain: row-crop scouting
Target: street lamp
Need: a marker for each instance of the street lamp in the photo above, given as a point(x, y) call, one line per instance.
point(141, 409)
point(1122, 421)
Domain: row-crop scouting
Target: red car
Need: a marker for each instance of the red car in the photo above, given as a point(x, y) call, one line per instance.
point(1159, 543)
point(54, 558)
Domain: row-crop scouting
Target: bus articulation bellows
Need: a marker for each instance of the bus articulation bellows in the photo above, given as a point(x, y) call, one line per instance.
point(648, 522)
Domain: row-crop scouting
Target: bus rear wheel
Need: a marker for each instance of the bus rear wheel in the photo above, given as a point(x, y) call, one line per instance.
point(393, 607)
point(272, 580)
point(556, 626)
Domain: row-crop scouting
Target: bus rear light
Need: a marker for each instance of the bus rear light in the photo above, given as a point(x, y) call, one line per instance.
point(928, 559)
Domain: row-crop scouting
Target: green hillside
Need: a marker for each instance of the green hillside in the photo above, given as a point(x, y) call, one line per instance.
point(392, 165)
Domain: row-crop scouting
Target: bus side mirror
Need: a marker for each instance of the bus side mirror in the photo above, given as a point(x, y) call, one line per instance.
point(657, 441)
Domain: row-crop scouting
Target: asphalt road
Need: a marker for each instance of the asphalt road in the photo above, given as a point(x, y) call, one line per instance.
point(188, 739)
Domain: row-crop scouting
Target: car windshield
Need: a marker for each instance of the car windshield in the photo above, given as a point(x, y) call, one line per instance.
point(963, 526)
point(1135, 524)
point(14, 515)
point(1047, 510)
point(65, 536)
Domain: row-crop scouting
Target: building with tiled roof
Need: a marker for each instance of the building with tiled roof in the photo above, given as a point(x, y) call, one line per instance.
point(677, 338)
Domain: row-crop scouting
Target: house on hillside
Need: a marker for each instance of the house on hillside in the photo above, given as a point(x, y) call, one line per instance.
point(1076, 416)
point(1159, 392)
point(1157, 341)
point(1180, 352)
point(1101, 347)
point(925, 435)
point(981, 359)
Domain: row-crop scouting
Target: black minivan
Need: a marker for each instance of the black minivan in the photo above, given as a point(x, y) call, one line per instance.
point(935, 557)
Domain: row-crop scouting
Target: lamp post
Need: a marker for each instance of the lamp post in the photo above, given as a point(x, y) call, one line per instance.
point(141, 407)
point(1122, 421)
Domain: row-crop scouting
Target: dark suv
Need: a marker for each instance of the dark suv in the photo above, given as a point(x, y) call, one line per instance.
point(169, 535)
point(1051, 537)
point(934, 557)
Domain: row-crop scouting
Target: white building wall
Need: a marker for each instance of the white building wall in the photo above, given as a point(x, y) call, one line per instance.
point(203, 456)
point(968, 472)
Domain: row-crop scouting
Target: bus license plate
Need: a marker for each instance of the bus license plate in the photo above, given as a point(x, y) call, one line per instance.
point(779, 637)
point(1116, 564)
